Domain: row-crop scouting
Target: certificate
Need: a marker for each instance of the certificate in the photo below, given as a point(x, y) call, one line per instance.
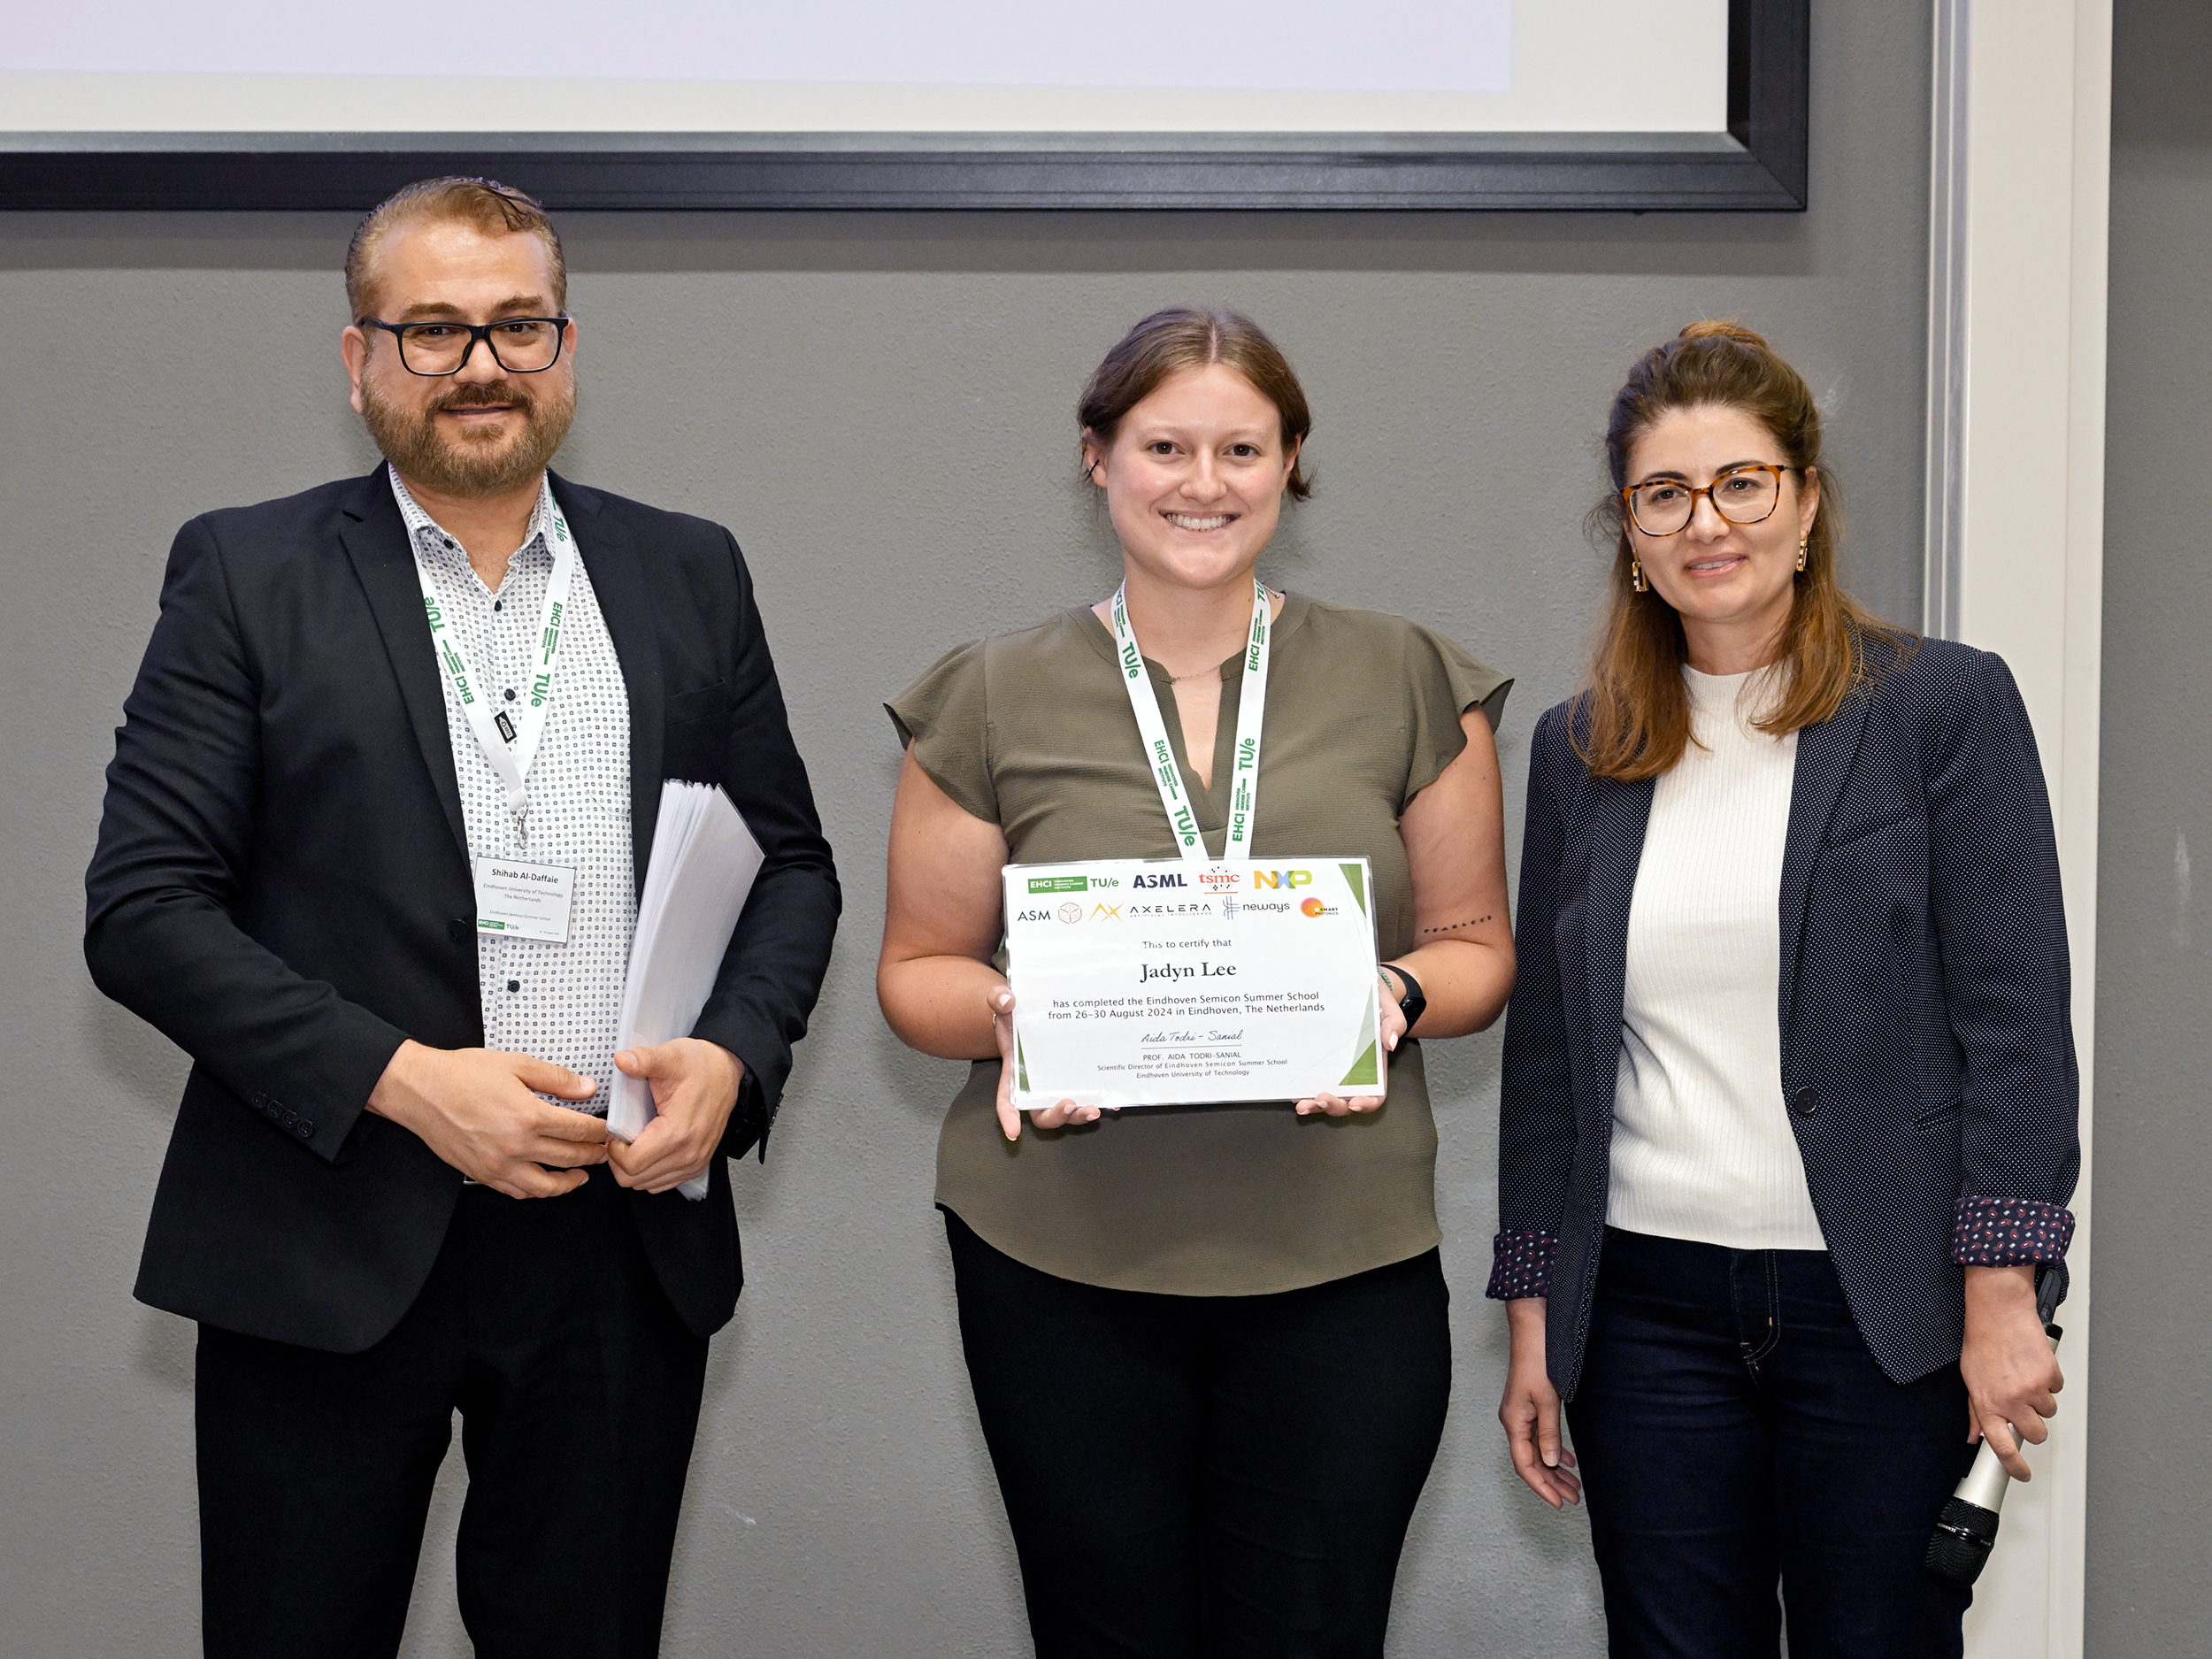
point(1149, 982)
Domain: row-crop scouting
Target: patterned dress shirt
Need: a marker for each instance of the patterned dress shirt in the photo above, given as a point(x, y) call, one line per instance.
point(560, 1003)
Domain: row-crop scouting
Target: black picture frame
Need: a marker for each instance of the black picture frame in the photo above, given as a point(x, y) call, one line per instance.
point(1758, 164)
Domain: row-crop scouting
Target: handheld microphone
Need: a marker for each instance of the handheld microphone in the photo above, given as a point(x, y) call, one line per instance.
point(1967, 1532)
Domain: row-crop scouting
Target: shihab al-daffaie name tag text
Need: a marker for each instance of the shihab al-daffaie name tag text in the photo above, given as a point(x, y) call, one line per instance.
point(521, 901)
point(1147, 983)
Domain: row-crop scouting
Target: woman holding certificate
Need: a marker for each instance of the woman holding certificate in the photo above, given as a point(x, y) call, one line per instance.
point(1208, 1342)
point(1787, 1116)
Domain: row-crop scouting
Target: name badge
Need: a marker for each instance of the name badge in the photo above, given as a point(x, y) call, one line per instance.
point(520, 901)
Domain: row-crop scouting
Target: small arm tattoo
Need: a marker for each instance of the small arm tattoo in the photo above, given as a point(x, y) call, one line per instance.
point(1451, 927)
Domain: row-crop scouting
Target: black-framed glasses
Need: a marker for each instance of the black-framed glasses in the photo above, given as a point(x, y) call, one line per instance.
point(520, 345)
point(1742, 494)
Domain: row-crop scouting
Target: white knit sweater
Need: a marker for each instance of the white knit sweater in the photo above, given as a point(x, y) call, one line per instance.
point(1701, 1142)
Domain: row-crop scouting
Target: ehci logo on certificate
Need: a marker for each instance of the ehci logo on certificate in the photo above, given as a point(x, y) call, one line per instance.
point(1145, 982)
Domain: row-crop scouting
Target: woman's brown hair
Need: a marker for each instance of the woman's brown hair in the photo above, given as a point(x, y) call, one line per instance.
point(1195, 337)
point(1636, 713)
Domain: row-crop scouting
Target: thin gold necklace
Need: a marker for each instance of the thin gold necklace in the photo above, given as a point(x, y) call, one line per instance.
point(1177, 680)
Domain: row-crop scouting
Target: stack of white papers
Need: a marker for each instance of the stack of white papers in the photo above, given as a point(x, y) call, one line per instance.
point(704, 860)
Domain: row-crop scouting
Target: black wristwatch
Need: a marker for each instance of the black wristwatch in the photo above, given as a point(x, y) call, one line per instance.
point(1413, 1004)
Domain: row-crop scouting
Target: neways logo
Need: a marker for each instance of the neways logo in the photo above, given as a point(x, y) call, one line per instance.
point(1059, 884)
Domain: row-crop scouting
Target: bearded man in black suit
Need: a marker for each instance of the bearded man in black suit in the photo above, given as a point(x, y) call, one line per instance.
point(391, 1192)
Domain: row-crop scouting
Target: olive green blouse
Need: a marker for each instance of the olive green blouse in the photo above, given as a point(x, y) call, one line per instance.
point(1033, 732)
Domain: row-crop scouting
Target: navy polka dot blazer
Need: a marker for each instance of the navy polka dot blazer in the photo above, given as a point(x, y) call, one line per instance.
point(1927, 1048)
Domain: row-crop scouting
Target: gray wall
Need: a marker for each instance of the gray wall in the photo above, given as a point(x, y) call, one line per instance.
point(2152, 1340)
point(879, 407)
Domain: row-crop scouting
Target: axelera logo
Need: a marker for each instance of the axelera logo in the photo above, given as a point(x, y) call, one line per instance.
point(1280, 879)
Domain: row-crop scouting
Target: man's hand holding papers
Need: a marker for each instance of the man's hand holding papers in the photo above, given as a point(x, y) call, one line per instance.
point(703, 863)
point(695, 1086)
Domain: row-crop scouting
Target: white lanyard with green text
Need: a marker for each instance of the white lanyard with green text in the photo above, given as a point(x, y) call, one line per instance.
point(510, 744)
point(1251, 712)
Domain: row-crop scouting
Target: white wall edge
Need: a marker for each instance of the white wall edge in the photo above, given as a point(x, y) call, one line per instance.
point(2077, 802)
point(1947, 319)
point(2016, 517)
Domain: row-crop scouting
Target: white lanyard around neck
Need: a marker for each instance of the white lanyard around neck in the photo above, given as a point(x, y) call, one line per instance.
point(1244, 794)
point(510, 742)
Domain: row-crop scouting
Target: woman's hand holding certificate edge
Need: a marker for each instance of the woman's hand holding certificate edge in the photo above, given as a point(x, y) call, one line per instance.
point(1057, 1115)
point(1393, 1026)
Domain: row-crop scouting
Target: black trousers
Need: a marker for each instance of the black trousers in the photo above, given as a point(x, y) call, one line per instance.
point(1223, 1475)
point(1735, 1435)
point(579, 1390)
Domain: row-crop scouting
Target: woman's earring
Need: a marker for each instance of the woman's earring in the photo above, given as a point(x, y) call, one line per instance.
point(1800, 549)
point(1636, 574)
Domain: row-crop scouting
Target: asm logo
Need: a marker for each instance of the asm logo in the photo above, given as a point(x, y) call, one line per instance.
point(1106, 910)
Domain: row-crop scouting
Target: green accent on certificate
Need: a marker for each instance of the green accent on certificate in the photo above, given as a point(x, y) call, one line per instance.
point(1141, 982)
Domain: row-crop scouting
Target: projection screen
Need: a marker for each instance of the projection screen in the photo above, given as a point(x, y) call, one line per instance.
point(874, 104)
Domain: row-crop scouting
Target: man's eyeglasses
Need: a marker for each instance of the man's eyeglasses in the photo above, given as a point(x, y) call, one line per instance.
point(520, 345)
point(1743, 495)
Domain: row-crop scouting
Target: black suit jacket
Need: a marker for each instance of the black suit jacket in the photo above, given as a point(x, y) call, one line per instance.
point(282, 887)
point(1927, 1046)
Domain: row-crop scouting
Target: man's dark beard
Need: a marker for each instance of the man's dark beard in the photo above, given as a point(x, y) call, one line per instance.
point(474, 467)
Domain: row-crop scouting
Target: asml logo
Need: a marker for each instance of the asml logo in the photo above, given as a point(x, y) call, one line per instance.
point(1280, 879)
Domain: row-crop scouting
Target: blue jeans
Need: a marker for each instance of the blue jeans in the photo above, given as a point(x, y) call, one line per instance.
point(1736, 1436)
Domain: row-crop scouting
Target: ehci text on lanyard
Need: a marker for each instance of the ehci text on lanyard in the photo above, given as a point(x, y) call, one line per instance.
point(510, 744)
point(1251, 714)
point(514, 899)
